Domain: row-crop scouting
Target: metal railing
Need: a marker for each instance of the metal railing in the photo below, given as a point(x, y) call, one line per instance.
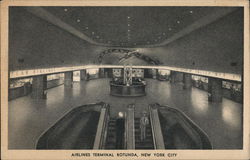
point(156, 128)
point(101, 133)
point(130, 127)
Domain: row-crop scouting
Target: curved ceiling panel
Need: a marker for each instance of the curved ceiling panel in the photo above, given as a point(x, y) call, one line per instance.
point(132, 26)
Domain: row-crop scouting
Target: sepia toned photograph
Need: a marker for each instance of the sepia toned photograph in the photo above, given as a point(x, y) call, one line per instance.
point(95, 80)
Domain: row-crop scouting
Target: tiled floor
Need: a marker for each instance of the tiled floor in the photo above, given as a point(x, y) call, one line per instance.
point(29, 118)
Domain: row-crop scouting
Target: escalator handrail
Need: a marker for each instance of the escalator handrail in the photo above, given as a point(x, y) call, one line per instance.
point(156, 128)
point(102, 127)
point(130, 128)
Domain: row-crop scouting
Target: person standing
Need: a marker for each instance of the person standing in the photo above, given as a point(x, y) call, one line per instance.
point(144, 121)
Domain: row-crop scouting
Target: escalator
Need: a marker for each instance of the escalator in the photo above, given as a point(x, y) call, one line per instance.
point(148, 142)
point(91, 127)
point(76, 130)
point(179, 131)
point(111, 134)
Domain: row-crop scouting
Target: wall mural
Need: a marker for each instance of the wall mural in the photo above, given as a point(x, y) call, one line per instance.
point(127, 54)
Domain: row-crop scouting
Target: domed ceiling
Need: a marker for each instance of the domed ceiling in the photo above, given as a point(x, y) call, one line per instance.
point(131, 26)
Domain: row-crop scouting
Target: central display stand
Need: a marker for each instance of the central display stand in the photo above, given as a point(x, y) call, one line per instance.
point(127, 86)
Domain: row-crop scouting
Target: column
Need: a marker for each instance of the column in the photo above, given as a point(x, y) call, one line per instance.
point(172, 76)
point(39, 85)
point(68, 79)
point(187, 80)
point(215, 89)
point(154, 73)
point(176, 76)
point(101, 73)
point(83, 76)
point(106, 73)
point(27, 88)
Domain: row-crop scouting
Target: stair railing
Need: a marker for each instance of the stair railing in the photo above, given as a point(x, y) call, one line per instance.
point(130, 127)
point(102, 128)
point(156, 127)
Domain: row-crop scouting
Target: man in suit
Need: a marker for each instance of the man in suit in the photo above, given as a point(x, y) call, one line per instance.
point(144, 121)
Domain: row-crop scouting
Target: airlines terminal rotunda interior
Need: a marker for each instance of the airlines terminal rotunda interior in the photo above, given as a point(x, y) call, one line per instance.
point(145, 77)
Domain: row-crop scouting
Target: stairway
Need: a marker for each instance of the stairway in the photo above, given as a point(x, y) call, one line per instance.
point(111, 135)
point(148, 143)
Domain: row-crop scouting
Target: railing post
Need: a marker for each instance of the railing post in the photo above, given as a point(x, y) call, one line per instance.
point(156, 128)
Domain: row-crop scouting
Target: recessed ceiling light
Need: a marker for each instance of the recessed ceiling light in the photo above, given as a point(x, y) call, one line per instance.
point(65, 9)
point(191, 12)
point(128, 17)
point(128, 24)
point(178, 22)
point(128, 30)
point(78, 20)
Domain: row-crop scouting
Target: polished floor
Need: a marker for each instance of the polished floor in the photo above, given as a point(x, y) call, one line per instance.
point(29, 118)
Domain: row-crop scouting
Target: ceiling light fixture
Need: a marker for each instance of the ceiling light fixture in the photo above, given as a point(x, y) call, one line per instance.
point(191, 12)
point(65, 10)
point(78, 20)
point(178, 22)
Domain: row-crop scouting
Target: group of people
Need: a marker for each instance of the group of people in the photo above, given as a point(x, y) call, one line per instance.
point(120, 128)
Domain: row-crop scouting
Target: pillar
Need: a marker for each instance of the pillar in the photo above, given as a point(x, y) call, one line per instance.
point(27, 88)
point(176, 76)
point(154, 73)
point(187, 80)
point(101, 73)
point(39, 85)
point(172, 76)
point(215, 89)
point(68, 79)
point(83, 75)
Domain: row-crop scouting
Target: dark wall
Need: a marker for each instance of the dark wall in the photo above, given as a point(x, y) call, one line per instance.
point(35, 43)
